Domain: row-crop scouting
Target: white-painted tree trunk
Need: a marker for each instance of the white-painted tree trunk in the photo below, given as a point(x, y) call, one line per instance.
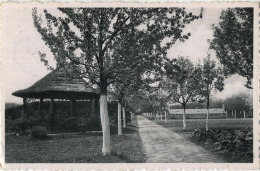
point(165, 115)
point(124, 118)
point(207, 120)
point(184, 119)
point(244, 113)
point(119, 121)
point(132, 116)
point(106, 149)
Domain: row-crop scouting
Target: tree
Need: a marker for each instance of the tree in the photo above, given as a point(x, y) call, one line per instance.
point(87, 38)
point(181, 82)
point(233, 42)
point(212, 80)
point(239, 102)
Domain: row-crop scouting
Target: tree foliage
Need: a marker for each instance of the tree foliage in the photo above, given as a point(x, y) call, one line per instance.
point(233, 42)
point(239, 102)
point(212, 80)
point(182, 81)
point(104, 44)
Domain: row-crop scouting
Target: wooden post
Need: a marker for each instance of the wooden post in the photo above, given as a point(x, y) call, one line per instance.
point(132, 116)
point(40, 108)
point(72, 109)
point(25, 107)
point(51, 121)
point(124, 117)
point(160, 111)
point(119, 121)
point(92, 108)
point(165, 115)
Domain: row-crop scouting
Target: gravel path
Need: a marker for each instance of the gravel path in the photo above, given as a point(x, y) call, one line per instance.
point(164, 146)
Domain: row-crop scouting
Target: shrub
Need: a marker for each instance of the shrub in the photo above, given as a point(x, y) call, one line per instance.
point(228, 140)
point(20, 125)
point(39, 132)
point(71, 123)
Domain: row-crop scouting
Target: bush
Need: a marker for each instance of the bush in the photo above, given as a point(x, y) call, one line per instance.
point(39, 132)
point(20, 125)
point(240, 142)
point(71, 124)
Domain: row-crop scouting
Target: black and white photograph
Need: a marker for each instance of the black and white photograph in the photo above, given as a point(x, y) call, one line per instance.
point(171, 84)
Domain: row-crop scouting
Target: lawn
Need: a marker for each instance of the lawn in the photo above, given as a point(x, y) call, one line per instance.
point(176, 125)
point(76, 148)
point(236, 124)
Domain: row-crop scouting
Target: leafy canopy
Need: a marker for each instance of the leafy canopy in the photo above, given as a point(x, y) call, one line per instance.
point(182, 81)
point(102, 42)
point(233, 42)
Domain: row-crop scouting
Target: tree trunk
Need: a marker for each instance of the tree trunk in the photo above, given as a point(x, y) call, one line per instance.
point(132, 116)
point(124, 117)
point(161, 114)
point(165, 115)
point(184, 118)
point(235, 113)
point(106, 149)
point(207, 119)
point(244, 113)
point(119, 121)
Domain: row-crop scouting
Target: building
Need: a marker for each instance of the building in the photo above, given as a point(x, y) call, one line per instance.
point(197, 113)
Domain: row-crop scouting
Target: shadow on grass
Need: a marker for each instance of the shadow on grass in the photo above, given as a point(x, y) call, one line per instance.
point(76, 148)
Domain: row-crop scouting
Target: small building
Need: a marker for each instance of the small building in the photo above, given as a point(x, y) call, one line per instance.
point(197, 113)
point(63, 83)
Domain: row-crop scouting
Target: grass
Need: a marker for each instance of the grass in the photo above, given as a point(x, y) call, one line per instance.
point(191, 124)
point(76, 148)
point(176, 126)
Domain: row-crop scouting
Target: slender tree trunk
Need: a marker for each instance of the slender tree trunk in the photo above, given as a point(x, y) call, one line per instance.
point(124, 117)
point(119, 119)
point(244, 112)
point(132, 116)
point(161, 114)
point(207, 119)
point(106, 149)
point(184, 117)
point(235, 113)
point(165, 115)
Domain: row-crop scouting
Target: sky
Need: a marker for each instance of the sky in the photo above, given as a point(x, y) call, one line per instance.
point(21, 42)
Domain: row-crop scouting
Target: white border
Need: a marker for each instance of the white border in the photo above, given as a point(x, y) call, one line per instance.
point(152, 166)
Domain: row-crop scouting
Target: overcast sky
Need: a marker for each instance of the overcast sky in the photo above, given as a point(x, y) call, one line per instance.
point(21, 43)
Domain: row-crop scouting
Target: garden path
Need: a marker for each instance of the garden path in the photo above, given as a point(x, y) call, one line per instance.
point(164, 146)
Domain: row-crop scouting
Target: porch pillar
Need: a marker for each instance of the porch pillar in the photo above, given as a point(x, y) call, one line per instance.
point(52, 117)
point(40, 108)
point(94, 109)
point(72, 108)
point(25, 107)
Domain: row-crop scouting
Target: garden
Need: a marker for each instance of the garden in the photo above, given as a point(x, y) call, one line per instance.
point(75, 147)
point(230, 139)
